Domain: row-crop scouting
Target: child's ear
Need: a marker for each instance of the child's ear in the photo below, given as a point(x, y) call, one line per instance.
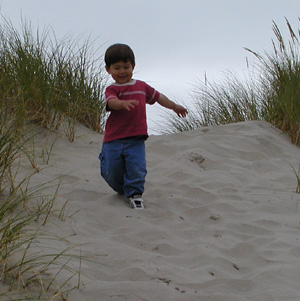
point(133, 66)
point(107, 69)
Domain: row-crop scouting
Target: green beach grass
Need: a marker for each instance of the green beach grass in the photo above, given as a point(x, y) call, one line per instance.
point(271, 93)
point(27, 271)
point(48, 83)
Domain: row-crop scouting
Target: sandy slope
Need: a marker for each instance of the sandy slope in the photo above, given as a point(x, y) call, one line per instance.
point(221, 220)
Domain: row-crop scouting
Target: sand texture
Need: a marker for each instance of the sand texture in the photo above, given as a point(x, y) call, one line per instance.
point(221, 220)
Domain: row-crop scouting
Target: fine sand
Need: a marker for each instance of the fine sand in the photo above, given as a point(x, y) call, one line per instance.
point(221, 220)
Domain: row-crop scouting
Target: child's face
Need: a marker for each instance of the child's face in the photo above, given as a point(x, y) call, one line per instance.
point(121, 71)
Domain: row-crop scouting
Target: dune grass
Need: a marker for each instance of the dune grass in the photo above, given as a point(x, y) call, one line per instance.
point(280, 82)
point(271, 93)
point(10, 146)
point(47, 81)
point(25, 265)
point(52, 83)
point(28, 265)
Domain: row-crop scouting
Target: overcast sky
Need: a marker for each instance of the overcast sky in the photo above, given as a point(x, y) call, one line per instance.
point(175, 41)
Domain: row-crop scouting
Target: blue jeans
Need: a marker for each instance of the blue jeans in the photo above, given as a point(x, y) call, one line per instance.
point(123, 165)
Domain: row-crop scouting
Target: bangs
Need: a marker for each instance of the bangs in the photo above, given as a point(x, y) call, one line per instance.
point(117, 53)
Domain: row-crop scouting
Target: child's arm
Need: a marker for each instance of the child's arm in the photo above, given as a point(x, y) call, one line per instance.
point(169, 104)
point(116, 104)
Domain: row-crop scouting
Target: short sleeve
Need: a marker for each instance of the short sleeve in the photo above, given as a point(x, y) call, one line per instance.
point(151, 94)
point(110, 93)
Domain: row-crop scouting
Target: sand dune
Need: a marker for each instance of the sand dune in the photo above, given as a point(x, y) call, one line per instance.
point(221, 219)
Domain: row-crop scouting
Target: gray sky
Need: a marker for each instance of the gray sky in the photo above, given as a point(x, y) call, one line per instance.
point(175, 41)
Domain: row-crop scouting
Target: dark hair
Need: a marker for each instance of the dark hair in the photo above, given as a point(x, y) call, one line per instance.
point(119, 52)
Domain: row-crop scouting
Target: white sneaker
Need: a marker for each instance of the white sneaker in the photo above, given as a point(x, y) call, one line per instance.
point(136, 202)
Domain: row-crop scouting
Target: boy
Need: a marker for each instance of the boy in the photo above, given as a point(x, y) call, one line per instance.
point(123, 160)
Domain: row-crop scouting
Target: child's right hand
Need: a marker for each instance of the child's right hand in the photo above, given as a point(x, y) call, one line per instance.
point(117, 104)
point(129, 104)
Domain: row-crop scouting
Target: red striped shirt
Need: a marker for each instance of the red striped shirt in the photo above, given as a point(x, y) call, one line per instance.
point(123, 123)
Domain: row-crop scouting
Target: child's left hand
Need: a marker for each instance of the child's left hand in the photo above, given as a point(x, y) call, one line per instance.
point(169, 104)
point(180, 111)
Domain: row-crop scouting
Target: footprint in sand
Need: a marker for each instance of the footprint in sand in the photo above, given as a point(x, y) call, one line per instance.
point(195, 157)
point(68, 179)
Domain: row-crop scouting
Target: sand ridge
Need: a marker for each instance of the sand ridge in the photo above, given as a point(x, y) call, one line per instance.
point(221, 219)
